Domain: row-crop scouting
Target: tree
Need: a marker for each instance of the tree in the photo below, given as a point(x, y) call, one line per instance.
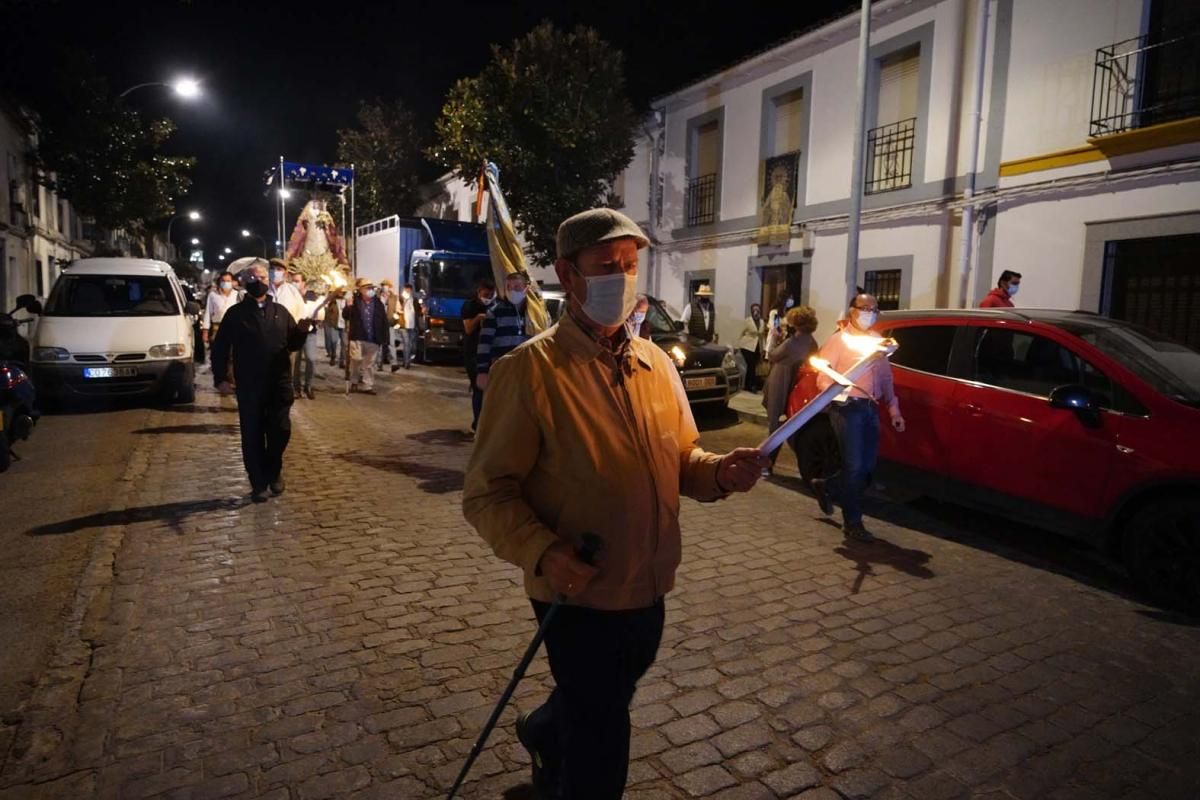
point(105, 158)
point(551, 111)
point(385, 149)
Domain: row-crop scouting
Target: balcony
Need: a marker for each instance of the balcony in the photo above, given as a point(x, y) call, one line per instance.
point(700, 200)
point(890, 156)
point(1145, 81)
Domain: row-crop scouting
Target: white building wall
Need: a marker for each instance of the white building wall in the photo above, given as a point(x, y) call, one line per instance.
point(1054, 44)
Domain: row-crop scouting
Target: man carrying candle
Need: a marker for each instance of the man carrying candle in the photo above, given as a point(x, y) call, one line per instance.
point(854, 415)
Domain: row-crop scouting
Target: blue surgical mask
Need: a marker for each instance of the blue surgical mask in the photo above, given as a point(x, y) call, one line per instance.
point(370, 293)
point(1012, 289)
point(277, 276)
point(516, 297)
point(637, 318)
point(227, 285)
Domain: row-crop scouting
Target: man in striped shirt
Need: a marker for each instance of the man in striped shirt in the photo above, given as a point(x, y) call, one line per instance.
point(503, 328)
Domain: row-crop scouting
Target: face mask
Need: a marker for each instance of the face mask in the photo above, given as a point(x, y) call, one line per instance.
point(610, 298)
point(227, 285)
point(277, 276)
point(865, 319)
point(790, 302)
point(488, 301)
point(638, 318)
point(1012, 289)
point(370, 293)
point(256, 289)
point(406, 294)
point(516, 297)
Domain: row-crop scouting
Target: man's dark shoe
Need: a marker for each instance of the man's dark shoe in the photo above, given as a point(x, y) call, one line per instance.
point(545, 776)
point(258, 495)
point(395, 367)
point(277, 486)
point(858, 533)
point(308, 392)
point(822, 492)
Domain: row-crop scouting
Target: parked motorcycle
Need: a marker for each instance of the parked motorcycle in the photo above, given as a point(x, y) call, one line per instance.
point(17, 395)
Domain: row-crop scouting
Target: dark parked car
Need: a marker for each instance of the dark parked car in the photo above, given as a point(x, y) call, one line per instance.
point(1065, 420)
point(709, 372)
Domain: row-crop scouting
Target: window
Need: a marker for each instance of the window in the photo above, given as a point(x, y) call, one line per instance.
point(924, 347)
point(891, 143)
point(1034, 365)
point(885, 285)
point(62, 216)
point(37, 201)
point(787, 124)
point(618, 190)
point(899, 81)
point(41, 279)
point(704, 169)
point(112, 296)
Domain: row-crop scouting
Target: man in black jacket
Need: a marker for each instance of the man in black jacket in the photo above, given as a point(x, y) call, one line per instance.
point(369, 330)
point(260, 334)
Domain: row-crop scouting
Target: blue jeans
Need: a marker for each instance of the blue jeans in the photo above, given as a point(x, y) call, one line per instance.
point(306, 359)
point(333, 338)
point(406, 338)
point(857, 427)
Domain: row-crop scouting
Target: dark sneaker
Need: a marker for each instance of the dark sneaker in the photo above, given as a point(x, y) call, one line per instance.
point(258, 495)
point(858, 533)
point(545, 776)
point(308, 392)
point(395, 367)
point(277, 486)
point(823, 499)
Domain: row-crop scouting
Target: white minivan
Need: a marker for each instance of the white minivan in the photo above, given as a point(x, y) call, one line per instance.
point(114, 327)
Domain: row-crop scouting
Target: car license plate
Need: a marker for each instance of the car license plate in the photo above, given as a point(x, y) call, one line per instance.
point(109, 372)
point(707, 382)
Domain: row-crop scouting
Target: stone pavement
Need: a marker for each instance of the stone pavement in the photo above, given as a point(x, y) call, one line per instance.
point(349, 638)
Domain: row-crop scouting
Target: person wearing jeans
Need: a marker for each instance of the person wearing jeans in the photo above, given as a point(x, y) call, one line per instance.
point(405, 332)
point(366, 320)
point(855, 416)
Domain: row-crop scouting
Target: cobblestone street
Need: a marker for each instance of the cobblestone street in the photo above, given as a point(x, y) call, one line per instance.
point(349, 638)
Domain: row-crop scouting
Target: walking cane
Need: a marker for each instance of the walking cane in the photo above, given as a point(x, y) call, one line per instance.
point(589, 548)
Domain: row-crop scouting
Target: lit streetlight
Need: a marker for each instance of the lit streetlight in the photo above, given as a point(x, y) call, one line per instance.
point(195, 241)
point(285, 194)
point(193, 215)
point(228, 250)
point(249, 234)
point(185, 86)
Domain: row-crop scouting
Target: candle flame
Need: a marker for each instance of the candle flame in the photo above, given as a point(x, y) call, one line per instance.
point(678, 354)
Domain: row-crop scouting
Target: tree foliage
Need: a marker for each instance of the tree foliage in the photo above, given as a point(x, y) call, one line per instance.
point(385, 149)
point(551, 111)
point(105, 158)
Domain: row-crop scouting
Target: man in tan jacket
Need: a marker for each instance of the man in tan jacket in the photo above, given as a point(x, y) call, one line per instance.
point(587, 430)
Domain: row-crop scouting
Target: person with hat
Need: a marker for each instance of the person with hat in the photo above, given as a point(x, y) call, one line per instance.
point(258, 335)
point(698, 316)
point(387, 295)
point(368, 324)
point(283, 291)
point(588, 430)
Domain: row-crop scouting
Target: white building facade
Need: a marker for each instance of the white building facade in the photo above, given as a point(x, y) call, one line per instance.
point(40, 233)
point(1087, 170)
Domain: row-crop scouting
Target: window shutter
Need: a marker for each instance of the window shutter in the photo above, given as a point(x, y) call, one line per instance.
point(899, 77)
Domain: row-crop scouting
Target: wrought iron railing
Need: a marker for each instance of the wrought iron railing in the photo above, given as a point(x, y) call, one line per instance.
point(1146, 80)
point(701, 200)
point(890, 156)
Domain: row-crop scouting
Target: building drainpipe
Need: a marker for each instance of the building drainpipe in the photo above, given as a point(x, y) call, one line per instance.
point(968, 215)
point(656, 137)
point(854, 222)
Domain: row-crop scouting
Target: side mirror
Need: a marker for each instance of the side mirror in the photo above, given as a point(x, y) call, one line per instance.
point(1077, 398)
point(191, 308)
point(29, 303)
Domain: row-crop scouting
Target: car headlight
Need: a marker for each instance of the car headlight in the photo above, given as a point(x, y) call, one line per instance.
point(51, 354)
point(728, 362)
point(679, 356)
point(168, 350)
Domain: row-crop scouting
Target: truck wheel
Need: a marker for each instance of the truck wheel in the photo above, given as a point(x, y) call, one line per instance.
point(1161, 549)
point(186, 394)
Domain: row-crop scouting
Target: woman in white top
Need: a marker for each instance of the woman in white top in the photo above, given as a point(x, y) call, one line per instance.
point(220, 299)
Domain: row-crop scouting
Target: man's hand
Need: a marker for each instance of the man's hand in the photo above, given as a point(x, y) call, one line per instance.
point(740, 469)
point(898, 424)
point(481, 381)
point(225, 388)
point(306, 325)
point(566, 572)
point(204, 335)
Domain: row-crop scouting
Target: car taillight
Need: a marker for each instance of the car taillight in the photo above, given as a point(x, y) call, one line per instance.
point(436, 322)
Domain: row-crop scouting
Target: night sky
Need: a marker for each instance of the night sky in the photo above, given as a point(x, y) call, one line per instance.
point(280, 78)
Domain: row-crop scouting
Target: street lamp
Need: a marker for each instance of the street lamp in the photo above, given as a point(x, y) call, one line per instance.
point(228, 250)
point(195, 241)
point(185, 86)
point(193, 215)
point(248, 234)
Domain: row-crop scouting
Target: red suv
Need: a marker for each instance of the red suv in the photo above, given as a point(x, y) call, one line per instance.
point(1066, 420)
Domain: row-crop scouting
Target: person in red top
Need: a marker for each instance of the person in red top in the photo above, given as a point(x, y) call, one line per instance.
point(1006, 288)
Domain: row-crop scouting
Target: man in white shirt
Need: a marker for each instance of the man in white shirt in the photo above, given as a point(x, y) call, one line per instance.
point(221, 298)
point(283, 292)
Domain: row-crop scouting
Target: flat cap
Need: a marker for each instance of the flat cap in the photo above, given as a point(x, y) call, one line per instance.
point(593, 227)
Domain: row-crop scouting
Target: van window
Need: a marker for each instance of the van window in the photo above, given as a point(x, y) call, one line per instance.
point(112, 296)
point(923, 347)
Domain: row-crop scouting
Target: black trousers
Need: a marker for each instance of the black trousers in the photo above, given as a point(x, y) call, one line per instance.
point(265, 421)
point(752, 379)
point(596, 658)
